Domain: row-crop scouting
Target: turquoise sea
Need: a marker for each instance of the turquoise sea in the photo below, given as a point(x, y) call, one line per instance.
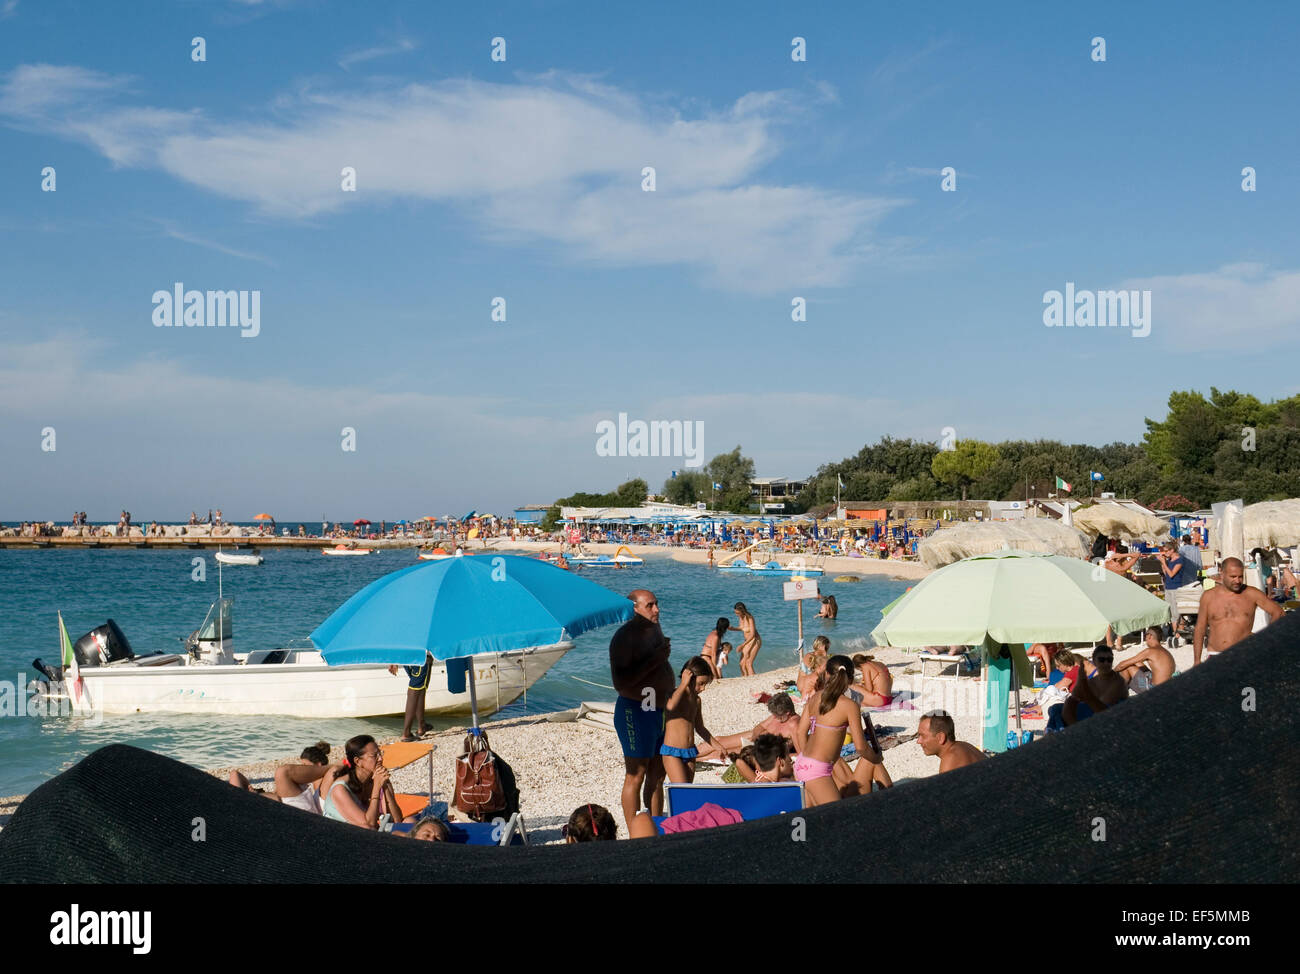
point(151, 595)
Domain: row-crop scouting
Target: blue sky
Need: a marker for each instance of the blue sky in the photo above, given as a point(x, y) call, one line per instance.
point(522, 179)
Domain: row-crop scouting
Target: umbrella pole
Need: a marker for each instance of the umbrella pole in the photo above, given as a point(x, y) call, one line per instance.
point(473, 695)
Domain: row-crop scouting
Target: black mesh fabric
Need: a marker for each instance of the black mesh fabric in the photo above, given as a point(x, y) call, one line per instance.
point(1192, 787)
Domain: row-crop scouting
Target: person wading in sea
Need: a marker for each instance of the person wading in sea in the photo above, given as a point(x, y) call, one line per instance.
point(638, 663)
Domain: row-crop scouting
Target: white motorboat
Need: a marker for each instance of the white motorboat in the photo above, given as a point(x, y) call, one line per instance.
point(209, 678)
point(621, 558)
point(345, 550)
point(437, 554)
point(228, 559)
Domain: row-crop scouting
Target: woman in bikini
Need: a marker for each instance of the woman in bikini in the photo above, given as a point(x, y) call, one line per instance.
point(682, 719)
point(827, 715)
point(877, 684)
point(752, 642)
point(713, 645)
point(360, 792)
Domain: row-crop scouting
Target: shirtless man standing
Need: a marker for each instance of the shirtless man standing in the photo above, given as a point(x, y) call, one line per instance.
point(638, 663)
point(1100, 692)
point(1229, 610)
point(937, 736)
point(1154, 660)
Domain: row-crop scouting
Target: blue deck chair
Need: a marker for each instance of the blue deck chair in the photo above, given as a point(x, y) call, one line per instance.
point(512, 832)
point(751, 800)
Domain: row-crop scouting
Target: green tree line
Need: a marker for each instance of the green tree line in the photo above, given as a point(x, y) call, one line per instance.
point(1206, 449)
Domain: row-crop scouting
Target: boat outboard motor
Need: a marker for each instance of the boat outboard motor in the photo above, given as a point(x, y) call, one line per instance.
point(102, 645)
point(48, 674)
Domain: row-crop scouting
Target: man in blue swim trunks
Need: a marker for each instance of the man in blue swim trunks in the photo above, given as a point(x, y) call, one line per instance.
point(416, 688)
point(638, 663)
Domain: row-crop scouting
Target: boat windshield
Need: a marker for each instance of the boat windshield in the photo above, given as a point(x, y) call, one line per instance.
point(217, 625)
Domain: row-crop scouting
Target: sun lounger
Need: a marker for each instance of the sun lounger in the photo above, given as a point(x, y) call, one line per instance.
point(943, 661)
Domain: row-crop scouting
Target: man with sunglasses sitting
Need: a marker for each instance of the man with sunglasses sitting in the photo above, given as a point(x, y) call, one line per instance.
point(1104, 689)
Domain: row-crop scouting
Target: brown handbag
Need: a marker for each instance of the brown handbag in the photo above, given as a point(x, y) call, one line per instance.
point(479, 793)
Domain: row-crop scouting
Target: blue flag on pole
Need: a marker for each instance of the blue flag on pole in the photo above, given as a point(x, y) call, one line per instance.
point(1097, 476)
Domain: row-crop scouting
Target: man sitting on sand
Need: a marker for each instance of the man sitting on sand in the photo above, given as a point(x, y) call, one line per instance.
point(783, 722)
point(1228, 610)
point(1098, 693)
point(937, 735)
point(1150, 667)
point(638, 662)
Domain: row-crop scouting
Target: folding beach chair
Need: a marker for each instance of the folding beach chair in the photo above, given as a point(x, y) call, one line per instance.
point(399, 755)
point(753, 800)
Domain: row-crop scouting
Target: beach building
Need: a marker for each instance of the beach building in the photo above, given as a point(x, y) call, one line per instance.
point(941, 510)
point(773, 492)
point(531, 513)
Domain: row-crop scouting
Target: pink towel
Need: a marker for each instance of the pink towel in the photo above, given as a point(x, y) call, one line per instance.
point(707, 816)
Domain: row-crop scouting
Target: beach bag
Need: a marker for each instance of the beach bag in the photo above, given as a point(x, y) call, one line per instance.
point(485, 784)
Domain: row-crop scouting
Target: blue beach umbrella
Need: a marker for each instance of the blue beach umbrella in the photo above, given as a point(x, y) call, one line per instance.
point(462, 607)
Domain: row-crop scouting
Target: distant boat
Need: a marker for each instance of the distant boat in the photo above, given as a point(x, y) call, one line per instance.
point(345, 550)
point(772, 568)
point(437, 554)
point(228, 559)
point(621, 558)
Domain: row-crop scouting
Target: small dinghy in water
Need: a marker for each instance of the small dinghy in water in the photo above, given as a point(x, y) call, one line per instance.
point(228, 559)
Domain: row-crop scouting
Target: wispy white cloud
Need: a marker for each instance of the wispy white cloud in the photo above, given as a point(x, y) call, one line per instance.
point(554, 158)
point(9, 8)
point(402, 45)
point(172, 231)
point(1239, 306)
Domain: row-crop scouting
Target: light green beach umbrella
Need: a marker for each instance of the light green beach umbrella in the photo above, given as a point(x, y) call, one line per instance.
point(1011, 597)
point(1008, 598)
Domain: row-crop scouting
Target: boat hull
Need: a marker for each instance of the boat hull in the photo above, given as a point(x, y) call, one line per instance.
point(313, 690)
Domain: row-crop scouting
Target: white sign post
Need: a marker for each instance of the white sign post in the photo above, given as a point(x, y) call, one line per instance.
point(797, 591)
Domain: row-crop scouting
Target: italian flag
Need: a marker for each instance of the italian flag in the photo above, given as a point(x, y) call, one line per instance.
point(71, 674)
point(1062, 485)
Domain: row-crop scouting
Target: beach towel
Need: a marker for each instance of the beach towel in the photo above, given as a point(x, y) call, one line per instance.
point(995, 707)
point(707, 816)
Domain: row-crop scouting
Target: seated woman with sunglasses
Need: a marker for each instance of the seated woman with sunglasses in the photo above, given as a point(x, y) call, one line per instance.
point(360, 793)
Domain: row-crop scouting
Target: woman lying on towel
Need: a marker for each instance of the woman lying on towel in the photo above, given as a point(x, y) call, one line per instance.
point(827, 715)
point(359, 792)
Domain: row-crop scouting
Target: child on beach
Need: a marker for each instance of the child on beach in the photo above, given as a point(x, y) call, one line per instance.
point(811, 665)
point(713, 647)
point(752, 642)
point(768, 759)
point(590, 823)
point(682, 719)
point(827, 715)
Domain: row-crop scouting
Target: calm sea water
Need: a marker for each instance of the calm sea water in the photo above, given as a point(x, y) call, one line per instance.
point(151, 595)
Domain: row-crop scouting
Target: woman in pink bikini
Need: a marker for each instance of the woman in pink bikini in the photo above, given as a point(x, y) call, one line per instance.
point(827, 715)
